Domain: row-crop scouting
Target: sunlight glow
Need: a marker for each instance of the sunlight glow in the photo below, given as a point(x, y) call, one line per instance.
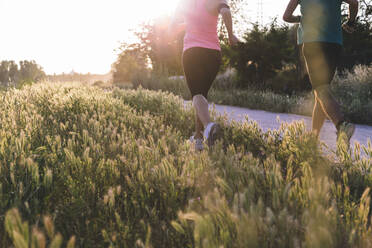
point(79, 35)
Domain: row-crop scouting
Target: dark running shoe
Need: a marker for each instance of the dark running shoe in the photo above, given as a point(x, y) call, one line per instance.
point(212, 133)
point(198, 143)
point(345, 132)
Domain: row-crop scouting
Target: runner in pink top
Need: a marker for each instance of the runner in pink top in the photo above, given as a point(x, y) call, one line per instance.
point(202, 57)
point(201, 28)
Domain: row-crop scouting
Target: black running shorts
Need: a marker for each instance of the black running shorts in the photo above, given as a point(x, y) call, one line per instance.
point(200, 66)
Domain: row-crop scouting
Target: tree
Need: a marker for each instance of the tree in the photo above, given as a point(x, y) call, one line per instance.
point(27, 72)
point(264, 52)
point(163, 53)
point(153, 51)
point(13, 73)
point(4, 73)
point(30, 72)
point(358, 46)
point(366, 12)
point(131, 64)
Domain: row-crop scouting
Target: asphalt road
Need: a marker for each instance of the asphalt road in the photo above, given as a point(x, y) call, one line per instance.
point(268, 120)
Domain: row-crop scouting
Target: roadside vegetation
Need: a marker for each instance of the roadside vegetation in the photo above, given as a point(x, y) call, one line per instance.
point(85, 167)
point(352, 89)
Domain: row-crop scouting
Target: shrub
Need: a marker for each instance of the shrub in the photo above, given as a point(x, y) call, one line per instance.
point(98, 83)
point(155, 81)
point(287, 82)
point(354, 91)
point(225, 80)
point(264, 52)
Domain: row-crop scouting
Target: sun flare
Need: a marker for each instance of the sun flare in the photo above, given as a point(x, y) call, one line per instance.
point(154, 9)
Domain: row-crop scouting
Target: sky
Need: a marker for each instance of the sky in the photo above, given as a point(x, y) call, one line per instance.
point(83, 35)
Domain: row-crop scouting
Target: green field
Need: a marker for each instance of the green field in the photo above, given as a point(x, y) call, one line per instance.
point(85, 167)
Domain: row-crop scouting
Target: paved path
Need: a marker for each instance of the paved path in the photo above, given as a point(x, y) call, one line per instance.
point(269, 120)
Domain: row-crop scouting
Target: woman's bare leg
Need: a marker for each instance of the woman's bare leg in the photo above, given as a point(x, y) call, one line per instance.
point(201, 109)
point(319, 117)
point(198, 127)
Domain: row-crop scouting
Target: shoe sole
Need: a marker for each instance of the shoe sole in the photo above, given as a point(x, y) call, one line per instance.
point(351, 133)
point(214, 135)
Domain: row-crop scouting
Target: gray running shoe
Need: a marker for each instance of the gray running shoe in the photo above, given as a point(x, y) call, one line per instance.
point(198, 144)
point(212, 133)
point(344, 133)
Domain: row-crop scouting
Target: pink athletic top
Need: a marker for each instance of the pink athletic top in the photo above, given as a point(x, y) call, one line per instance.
point(201, 27)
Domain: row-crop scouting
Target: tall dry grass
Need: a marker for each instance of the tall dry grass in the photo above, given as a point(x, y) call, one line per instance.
point(84, 167)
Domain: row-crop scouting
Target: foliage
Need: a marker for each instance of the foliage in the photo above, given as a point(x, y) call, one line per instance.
point(27, 72)
point(9, 72)
point(115, 169)
point(30, 71)
point(177, 84)
point(354, 91)
point(289, 82)
point(79, 77)
point(79, 155)
point(364, 14)
point(23, 237)
point(130, 65)
point(264, 52)
point(163, 51)
point(357, 47)
point(154, 51)
point(156, 81)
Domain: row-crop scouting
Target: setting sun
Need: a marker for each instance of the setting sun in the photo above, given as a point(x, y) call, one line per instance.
point(156, 8)
point(72, 35)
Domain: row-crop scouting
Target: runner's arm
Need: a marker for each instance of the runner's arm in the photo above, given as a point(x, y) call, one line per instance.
point(224, 10)
point(288, 14)
point(177, 23)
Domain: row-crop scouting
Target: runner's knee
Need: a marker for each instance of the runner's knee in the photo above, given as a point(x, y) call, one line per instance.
point(199, 99)
point(324, 95)
point(322, 92)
